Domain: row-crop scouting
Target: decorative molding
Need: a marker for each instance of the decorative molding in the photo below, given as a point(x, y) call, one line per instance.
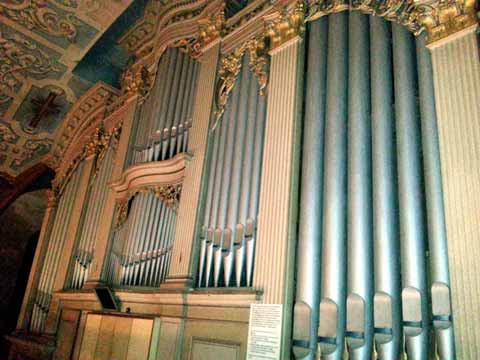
point(150, 175)
point(439, 18)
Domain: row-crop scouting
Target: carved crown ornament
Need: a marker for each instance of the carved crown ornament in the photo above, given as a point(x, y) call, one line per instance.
point(230, 67)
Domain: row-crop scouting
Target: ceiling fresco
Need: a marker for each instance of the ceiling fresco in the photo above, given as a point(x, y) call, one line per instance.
point(49, 57)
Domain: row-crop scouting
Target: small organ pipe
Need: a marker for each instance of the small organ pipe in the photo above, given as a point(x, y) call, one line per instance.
point(333, 270)
point(246, 178)
point(255, 186)
point(226, 183)
point(309, 238)
point(412, 232)
point(216, 192)
point(234, 187)
point(387, 307)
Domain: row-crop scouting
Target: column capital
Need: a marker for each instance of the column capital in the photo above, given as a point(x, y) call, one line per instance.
point(453, 37)
point(285, 24)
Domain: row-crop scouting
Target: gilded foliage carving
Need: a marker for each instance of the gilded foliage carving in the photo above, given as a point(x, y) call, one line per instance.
point(287, 25)
point(230, 68)
point(136, 80)
point(37, 15)
point(168, 194)
point(439, 18)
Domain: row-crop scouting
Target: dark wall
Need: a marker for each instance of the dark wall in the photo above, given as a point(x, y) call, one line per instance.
point(20, 227)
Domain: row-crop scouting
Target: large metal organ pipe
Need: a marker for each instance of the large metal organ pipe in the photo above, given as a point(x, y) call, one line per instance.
point(437, 234)
point(228, 232)
point(412, 229)
point(359, 328)
point(387, 305)
point(334, 265)
point(142, 244)
point(84, 249)
point(53, 253)
point(164, 119)
point(310, 223)
point(371, 181)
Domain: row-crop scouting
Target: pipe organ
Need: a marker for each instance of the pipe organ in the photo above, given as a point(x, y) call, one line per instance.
point(84, 250)
point(231, 204)
point(372, 268)
point(165, 119)
point(57, 233)
point(320, 195)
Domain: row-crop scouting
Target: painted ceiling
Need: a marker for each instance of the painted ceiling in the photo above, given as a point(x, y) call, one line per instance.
point(52, 52)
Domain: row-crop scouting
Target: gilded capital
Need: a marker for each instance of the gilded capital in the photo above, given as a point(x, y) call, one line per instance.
point(286, 25)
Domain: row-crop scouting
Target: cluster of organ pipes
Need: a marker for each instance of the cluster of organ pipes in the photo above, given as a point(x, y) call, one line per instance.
point(56, 233)
point(142, 245)
point(372, 267)
point(164, 119)
point(92, 212)
point(231, 204)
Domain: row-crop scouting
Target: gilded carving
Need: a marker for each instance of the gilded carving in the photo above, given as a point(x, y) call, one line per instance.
point(136, 80)
point(286, 26)
point(258, 62)
point(230, 68)
point(439, 19)
point(168, 194)
point(36, 14)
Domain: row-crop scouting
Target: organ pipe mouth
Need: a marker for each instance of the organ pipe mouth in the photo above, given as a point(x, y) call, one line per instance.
point(441, 307)
point(412, 311)
point(302, 317)
point(383, 317)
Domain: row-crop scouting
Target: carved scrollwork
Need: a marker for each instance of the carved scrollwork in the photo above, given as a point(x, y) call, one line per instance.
point(259, 62)
point(37, 15)
point(19, 56)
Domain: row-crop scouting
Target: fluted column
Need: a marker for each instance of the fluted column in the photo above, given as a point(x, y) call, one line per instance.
point(456, 72)
point(184, 260)
point(38, 261)
point(275, 246)
point(103, 234)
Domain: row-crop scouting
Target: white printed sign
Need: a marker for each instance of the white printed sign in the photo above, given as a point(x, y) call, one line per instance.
point(264, 332)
